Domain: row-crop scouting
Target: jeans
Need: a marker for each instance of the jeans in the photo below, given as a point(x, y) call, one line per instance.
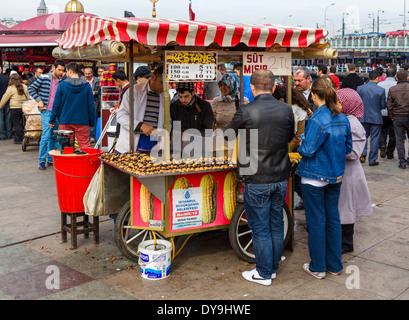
point(373, 131)
point(387, 132)
point(5, 122)
point(47, 142)
point(323, 226)
point(401, 125)
point(297, 186)
point(264, 210)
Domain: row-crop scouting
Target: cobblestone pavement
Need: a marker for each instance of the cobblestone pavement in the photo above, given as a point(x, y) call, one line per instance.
point(207, 268)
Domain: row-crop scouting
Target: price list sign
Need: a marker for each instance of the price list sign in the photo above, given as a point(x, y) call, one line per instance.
point(191, 66)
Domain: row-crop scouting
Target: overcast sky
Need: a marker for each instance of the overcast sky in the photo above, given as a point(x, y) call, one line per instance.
point(291, 12)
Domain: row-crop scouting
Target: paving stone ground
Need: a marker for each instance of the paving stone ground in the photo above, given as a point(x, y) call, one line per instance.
point(206, 269)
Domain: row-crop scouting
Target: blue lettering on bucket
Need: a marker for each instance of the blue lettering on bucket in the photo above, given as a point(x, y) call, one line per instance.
point(144, 257)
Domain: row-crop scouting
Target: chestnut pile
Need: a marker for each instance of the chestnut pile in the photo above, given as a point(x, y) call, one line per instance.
point(142, 164)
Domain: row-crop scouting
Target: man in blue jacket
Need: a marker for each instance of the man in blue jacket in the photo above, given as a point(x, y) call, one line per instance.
point(374, 100)
point(74, 106)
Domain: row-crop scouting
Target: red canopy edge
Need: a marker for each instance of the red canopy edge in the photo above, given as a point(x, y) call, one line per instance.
point(89, 30)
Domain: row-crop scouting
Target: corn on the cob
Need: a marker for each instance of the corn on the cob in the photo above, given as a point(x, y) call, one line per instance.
point(230, 194)
point(295, 158)
point(181, 183)
point(209, 199)
point(146, 204)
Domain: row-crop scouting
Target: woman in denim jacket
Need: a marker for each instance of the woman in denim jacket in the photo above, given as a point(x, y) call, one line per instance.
point(327, 141)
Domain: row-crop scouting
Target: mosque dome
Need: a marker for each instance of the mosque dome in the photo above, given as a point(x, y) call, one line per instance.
point(74, 6)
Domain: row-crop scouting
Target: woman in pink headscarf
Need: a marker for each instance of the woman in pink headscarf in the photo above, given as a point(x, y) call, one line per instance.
point(354, 198)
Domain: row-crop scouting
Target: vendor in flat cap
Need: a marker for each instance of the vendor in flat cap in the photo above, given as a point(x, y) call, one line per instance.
point(142, 74)
point(192, 111)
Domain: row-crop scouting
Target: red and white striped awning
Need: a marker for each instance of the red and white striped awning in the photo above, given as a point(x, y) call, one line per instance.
point(88, 30)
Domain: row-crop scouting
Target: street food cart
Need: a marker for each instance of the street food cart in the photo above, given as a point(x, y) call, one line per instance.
point(175, 198)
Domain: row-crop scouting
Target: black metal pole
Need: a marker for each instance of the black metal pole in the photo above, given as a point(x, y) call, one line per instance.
point(131, 97)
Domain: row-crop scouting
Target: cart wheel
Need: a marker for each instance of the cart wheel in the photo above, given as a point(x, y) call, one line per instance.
point(24, 145)
point(127, 239)
point(240, 233)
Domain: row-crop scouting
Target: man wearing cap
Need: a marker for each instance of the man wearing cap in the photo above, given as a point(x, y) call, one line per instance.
point(142, 74)
point(192, 111)
point(148, 114)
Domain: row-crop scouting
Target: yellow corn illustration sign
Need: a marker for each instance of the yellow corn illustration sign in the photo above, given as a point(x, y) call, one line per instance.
point(146, 204)
point(209, 188)
point(230, 194)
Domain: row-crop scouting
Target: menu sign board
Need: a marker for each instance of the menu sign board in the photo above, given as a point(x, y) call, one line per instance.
point(191, 66)
point(277, 62)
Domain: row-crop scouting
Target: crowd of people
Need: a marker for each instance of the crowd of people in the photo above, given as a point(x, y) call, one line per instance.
point(328, 123)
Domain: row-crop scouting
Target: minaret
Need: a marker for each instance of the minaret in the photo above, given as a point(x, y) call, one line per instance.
point(42, 9)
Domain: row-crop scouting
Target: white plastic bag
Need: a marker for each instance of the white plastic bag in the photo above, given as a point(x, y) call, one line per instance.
point(94, 196)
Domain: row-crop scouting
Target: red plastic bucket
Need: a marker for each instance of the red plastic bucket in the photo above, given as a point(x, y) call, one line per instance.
point(73, 174)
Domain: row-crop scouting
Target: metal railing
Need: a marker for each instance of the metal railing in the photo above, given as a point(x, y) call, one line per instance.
point(383, 44)
point(340, 69)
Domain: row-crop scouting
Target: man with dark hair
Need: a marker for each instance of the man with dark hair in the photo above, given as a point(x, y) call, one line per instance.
point(374, 101)
point(142, 74)
point(192, 111)
point(43, 90)
point(332, 71)
point(387, 149)
point(74, 106)
point(322, 70)
point(352, 80)
point(381, 72)
point(149, 115)
point(271, 123)
point(398, 111)
point(38, 71)
point(100, 71)
point(121, 81)
point(26, 72)
point(96, 91)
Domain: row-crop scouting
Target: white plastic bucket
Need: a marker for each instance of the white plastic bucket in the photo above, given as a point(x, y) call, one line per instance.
point(155, 261)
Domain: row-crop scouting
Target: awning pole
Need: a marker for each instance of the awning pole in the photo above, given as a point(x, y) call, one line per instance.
point(131, 97)
point(241, 81)
point(167, 116)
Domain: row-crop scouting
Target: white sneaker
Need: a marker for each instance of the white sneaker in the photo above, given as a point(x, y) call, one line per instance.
point(318, 275)
point(273, 276)
point(254, 276)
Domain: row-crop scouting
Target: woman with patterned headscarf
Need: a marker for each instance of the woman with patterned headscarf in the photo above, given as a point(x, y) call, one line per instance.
point(226, 105)
point(354, 198)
